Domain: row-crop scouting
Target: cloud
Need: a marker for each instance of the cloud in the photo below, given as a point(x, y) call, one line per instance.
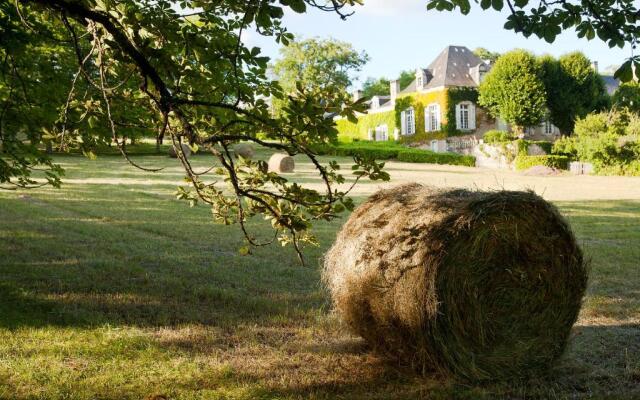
point(386, 8)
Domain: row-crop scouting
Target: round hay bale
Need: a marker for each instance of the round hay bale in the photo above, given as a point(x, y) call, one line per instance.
point(479, 285)
point(186, 150)
point(244, 150)
point(280, 162)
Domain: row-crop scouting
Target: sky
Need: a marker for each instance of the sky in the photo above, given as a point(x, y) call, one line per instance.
point(401, 34)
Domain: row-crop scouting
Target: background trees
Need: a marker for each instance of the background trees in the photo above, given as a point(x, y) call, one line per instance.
point(486, 55)
point(320, 68)
point(514, 91)
point(628, 96)
point(573, 87)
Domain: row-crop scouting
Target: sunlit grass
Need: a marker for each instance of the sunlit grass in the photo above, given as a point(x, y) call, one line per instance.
point(115, 290)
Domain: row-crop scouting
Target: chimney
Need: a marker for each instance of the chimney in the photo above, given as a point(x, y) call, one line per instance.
point(594, 65)
point(357, 95)
point(395, 90)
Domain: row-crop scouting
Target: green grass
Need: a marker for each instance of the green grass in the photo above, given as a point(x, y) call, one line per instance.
point(112, 289)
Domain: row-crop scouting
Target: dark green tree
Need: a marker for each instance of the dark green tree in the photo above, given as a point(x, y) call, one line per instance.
point(573, 87)
point(513, 90)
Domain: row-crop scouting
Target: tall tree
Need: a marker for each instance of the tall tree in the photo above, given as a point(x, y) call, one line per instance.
point(319, 67)
point(613, 22)
point(513, 90)
point(201, 85)
point(573, 87)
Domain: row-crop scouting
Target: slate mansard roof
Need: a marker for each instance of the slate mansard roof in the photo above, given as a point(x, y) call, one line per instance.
point(452, 67)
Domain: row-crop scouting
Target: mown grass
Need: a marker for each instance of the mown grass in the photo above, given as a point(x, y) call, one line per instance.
point(115, 290)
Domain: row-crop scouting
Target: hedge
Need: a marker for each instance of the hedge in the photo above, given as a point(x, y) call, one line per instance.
point(423, 156)
point(525, 162)
point(523, 145)
point(386, 151)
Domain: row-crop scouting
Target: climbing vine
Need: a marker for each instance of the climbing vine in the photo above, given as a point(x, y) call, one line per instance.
point(455, 96)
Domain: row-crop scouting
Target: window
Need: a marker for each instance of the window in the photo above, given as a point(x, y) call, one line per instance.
point(432, 118)
point(548, 128)
point(408, 122)
point(382, 133)
point(420, 82)
point(466, 116)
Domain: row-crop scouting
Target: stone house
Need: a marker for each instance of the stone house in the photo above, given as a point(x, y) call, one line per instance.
point(441, 102)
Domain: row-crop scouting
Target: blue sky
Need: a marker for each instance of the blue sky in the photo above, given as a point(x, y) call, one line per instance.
point(401, 34)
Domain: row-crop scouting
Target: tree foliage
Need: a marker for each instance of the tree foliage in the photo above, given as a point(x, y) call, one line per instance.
point(573, 87)
point(376, 87)
point(319, 67)
point(628, 96)
point(485, 54)
point(613, 22)
point(185, 70)
point(513, 90)
point(609, 140)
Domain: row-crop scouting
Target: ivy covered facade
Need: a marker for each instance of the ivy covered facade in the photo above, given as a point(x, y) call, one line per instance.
point(440, 102)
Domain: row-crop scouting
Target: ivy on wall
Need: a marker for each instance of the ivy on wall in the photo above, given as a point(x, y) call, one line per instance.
point(348, 131)
point(446, 98)
point(455, 96)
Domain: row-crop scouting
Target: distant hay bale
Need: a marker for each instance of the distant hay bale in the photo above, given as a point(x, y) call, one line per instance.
point(281, 163)
point(479, 285)
point(186, 150)
point(244, 150)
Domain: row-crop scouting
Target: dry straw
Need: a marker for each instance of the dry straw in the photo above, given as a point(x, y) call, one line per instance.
point(480, 285)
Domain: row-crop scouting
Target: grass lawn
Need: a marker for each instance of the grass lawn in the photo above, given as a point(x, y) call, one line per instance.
point(112, 289)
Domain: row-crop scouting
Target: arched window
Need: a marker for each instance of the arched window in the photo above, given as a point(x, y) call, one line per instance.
point(432, 117)
point(465, 116)
point(408, 119)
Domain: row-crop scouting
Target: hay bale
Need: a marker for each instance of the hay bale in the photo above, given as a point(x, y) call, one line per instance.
point(244, 150)
point(186, 150)
point(479, 285)
point(280, 162)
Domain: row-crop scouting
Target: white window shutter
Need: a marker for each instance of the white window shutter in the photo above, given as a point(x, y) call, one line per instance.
point(458, 121)
point(403, 123)
point(472, 116)
point(370, 134)
point(426, 119)
point(438, 117)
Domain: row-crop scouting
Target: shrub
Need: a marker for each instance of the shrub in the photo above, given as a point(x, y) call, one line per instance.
point(424, 156)
point(496, 136)
point(553, 161)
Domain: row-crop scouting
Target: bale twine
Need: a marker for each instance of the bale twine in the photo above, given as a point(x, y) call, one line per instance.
point(186, 150)
point(479, 285)
point(280, 162)
point(244, 150)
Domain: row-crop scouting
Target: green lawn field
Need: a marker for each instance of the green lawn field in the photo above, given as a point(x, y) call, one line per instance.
point(112, 289)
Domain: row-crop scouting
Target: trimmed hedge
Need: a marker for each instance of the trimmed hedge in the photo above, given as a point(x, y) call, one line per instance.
point(386, 151)
point(525, 162)
point(424, 156)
